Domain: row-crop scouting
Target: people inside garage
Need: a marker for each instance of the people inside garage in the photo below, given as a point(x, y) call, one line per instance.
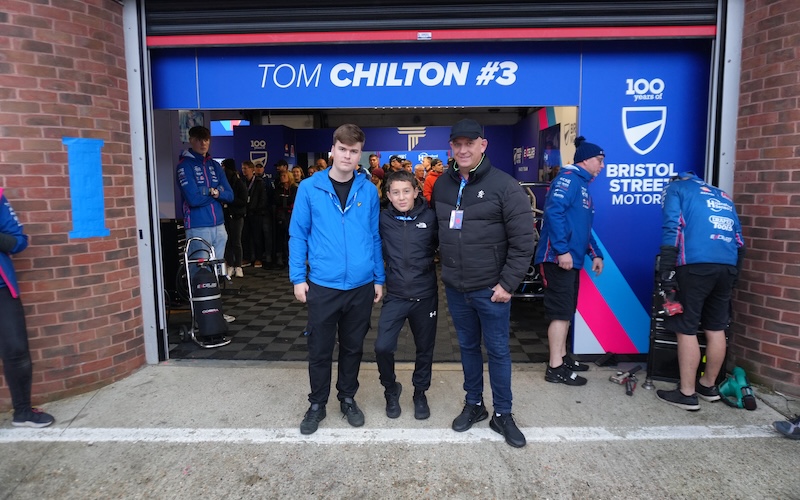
point(285, 197)
point(566, 239)
point(409, 236)
point(430, 179)
point(17, 365)
point(253, 235)
point(702, 250)
point(204, 187)
point(334, 229)
point(234, 219)
point(297, 172)
point(486, 242)
point(268, 257)
point(374, 162)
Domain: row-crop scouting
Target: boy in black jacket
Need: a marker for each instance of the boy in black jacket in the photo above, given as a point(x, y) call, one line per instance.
point(409, 233)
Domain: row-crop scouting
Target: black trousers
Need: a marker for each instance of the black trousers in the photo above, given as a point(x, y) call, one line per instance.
point(422, 315)
point(253, 237)
point(330, 311)
point(17, 366)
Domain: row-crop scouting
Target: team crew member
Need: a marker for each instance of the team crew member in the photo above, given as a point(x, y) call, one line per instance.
point(486, 243)
point(565, 240)
point(204, 188)
point(702, 243)
point(334, 227)
point(409, 235)
point(14, 351)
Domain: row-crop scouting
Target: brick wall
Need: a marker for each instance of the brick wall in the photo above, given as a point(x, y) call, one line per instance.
point(62, 73)
point(766, 326)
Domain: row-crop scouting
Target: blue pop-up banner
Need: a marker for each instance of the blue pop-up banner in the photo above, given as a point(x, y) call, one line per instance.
point(646, 106)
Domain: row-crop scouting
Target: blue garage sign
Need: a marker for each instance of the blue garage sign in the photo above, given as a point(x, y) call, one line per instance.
point(365, 76)
point(645, 102)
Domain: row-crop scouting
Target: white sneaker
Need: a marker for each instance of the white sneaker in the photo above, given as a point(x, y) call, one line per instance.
point(239, 272)
point(229, 272)
point(229, 318)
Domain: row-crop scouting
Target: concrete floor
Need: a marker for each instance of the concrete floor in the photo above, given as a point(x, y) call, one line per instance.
point(226, 429)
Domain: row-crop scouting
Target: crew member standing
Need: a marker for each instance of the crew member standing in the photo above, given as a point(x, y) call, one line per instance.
point(702, 249)
point(566, 240)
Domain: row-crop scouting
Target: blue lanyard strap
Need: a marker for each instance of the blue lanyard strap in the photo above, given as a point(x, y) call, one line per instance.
point(460, 191)
point(336, 203)
point(405, 217)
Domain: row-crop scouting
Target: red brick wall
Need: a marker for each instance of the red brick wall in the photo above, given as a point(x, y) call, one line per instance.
point(62, 73)
point(766, 325)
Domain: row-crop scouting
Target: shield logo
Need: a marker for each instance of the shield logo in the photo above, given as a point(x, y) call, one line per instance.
point(643, 127)
point(259, 157)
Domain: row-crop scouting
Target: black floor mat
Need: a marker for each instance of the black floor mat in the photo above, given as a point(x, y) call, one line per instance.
point(270, 322)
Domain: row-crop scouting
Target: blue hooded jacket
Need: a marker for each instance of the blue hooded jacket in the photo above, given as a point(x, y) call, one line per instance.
point(195, 173)
point(701, 221)
point(568, 217)
point(10, 225)
point(342, 244)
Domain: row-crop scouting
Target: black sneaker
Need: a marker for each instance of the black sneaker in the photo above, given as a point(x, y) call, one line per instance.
point(393, 401)
point(563, 375)
point(351, 411)
point(314, 415)
point(421, 409)
point(32, 418)
point(504, 424)
point(470, 415)
point(789, 428)
point(708, 393)
point(574, 365)
point(676, 398)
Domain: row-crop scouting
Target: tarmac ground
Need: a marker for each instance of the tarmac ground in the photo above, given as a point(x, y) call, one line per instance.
point(230, 429)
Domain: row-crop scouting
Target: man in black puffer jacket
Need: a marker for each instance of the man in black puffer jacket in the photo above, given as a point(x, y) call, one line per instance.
point(486, 244)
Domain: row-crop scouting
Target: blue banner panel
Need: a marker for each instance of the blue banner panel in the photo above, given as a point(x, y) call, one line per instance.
point(647, 106)
point(362, 76)
point(526, 142)
point(86, 187)
point(264, 144)
point(412, 142)
point(175, 79)
point(414, 156)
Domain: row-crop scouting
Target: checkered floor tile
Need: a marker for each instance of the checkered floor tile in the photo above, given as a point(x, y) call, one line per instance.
point(270, 322)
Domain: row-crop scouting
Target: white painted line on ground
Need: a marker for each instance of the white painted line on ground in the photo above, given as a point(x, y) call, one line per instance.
point(369, 436)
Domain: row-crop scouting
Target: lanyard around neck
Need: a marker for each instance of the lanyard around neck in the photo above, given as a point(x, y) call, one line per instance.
point(460, 192)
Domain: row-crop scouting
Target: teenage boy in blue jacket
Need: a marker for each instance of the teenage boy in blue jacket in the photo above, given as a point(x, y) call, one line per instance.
point(566, 239)
point(409, 232)
point(334, 228)
point(14, 350)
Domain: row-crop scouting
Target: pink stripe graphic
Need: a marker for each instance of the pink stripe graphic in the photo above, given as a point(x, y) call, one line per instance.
point(543, 120)
point(601, 320)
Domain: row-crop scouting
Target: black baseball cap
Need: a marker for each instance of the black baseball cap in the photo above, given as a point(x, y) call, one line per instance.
point(468, 128)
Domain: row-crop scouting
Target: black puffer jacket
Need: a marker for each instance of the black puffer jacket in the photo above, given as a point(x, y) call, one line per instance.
point(495, 243)
point(409, 243)
point(238, 207)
